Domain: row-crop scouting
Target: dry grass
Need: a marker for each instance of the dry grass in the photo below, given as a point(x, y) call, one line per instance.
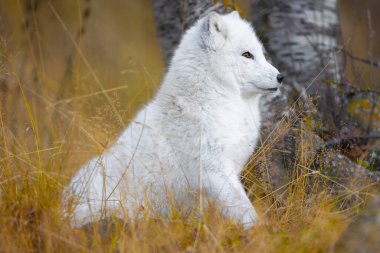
point(44, 138)
point(39, 157)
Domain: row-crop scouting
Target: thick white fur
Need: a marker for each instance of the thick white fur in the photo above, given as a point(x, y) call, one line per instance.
point(194, 137)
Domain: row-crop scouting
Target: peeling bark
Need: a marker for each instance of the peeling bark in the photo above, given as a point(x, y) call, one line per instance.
point(302, 37)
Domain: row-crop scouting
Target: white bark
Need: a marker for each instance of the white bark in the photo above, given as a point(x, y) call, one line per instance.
point(302, 37)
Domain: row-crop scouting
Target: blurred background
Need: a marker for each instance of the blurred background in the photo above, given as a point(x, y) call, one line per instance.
point(75, 61)
point(117, 39)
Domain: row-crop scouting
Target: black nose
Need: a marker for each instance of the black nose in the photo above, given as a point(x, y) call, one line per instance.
point(280, 77)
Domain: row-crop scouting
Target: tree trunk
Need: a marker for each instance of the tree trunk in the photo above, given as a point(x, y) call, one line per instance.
point(302, 38)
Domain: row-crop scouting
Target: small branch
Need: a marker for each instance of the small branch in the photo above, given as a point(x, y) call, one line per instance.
point(363, 60)
point(354, 138)
point(370, 55)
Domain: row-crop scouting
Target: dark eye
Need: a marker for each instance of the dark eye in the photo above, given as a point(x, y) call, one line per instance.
point(247, 55)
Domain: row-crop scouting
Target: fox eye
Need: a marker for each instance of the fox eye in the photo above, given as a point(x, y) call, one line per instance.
point(247, 55)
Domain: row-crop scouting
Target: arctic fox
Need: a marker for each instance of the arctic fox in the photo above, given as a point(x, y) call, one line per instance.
point(193, 138)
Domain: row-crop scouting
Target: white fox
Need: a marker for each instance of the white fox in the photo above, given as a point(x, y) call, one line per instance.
point(194, 137)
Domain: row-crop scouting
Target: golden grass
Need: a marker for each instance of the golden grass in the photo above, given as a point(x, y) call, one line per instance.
point(44, 138)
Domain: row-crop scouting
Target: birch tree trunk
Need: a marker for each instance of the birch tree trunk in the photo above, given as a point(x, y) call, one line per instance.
point(302, 39)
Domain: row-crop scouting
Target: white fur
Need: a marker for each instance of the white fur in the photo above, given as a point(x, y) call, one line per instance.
point(196, 134)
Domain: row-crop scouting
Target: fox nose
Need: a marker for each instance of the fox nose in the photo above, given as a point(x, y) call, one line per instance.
point(280, 77)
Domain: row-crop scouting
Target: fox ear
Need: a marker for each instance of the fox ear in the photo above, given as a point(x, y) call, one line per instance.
point(214, 32)
point(216, 24)
point(235, 14)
